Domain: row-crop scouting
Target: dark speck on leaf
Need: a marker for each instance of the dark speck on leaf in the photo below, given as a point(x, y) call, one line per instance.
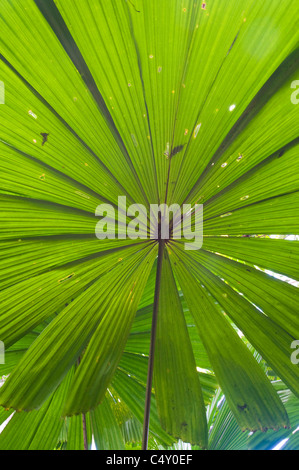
point(131, 3)
point(176, 150)
point(242, 407)
point(281, 153)
point(45, 137)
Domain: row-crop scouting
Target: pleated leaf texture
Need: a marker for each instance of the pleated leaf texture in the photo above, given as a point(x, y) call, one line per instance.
point(161, 101)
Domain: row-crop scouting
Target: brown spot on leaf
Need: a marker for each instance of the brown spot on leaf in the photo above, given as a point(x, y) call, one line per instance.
point(45, 137)
point(242, 407)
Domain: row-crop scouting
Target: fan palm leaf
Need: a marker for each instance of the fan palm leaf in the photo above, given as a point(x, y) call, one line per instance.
point(178, 102)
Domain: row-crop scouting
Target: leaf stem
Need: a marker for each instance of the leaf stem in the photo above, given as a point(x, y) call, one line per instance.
point(83, 419)
point(152, 347)
point(84, 431)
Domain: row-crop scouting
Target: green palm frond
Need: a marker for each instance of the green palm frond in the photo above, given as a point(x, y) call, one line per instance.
point(174, 101)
